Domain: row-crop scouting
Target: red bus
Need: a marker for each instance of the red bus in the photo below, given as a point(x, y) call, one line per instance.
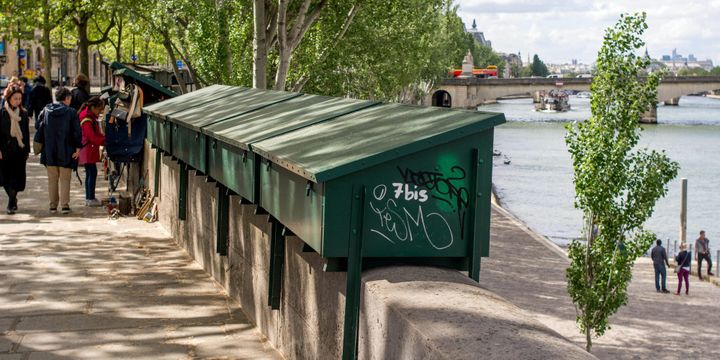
point(490, 72)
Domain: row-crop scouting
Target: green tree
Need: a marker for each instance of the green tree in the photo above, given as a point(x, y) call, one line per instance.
point(715, 71)
point(538, 67)
point(693, 72)
point(616, 185)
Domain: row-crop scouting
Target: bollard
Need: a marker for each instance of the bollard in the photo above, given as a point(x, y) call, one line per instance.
point(674, 248)
point(683, 210)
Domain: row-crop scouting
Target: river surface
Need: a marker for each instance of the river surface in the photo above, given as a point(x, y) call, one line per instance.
point(537, 184)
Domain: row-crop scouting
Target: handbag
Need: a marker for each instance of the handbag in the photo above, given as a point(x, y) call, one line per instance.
point(39, 137)
point(677, 268)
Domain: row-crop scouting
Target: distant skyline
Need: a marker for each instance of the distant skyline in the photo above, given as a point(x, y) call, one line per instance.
point(560, 31)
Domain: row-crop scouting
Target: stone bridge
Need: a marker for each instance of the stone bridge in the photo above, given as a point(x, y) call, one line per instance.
point(473, 92)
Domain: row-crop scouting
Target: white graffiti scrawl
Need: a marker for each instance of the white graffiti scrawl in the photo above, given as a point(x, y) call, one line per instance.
point(399, 223)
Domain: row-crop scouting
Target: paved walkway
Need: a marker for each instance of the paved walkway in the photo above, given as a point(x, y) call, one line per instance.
point(652, 325)
point(81, 286)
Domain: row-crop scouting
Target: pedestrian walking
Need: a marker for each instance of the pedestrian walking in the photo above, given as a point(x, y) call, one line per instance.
point(40, 96)
point(92, 139)
point(14, 145)
point(81, 92)
point(660, 259)
point(702, 251)
point(683, 260)
point(62, 141)
point(26, 92)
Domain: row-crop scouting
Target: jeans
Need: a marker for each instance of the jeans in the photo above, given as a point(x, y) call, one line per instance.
point(90, 179)
point(683, 274)
point(700, 260)
point(660, 270)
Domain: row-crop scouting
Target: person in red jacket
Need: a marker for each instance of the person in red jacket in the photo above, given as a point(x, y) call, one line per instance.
point(92, 139)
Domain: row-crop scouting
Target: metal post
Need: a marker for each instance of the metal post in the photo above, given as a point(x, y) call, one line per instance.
point(158, 160)
point(223, 221)
point(354, 275)
point(683, 210)
point(476, 230)
point(717, 263)
point(674, 248)
point(277, 259)
point(182, 191)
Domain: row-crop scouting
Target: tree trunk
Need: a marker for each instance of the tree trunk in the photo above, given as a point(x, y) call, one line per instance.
point(224, 49)
point(173, 62)
point(284, 52)
point(83, 45)
point(590, 278)
point(588, 340)
point(259, 46)
point(118, 49)
point(47, 47)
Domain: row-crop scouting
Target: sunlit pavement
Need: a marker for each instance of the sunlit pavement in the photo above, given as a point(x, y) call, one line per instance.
point(82, 286)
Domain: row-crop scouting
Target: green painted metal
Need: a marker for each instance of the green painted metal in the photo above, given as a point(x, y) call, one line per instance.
point(277, 260)
point(283, 117)
point(164, 108)
point(158, 161)
point(421, 193)
point(230, 158)
point(368, 137)
point(354, 275)
point(182, 191)
point(475, 194)
point(120, 69)
point(223, 221)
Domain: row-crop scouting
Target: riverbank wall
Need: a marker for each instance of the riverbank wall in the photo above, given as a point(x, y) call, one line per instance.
point(406, 312)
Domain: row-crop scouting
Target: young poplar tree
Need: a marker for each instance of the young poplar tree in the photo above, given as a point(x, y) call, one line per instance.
point(616, 184)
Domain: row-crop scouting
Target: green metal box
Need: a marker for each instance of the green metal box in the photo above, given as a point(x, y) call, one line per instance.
point(190, 145)
point(424, 173)
point(160, 128)
point(230, 157)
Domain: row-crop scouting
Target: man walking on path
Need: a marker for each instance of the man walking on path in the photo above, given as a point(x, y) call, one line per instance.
point(702, 251)
point(62, 139)
point(660, 259)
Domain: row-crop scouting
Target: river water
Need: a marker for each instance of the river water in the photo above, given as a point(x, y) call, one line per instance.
point(537, 184)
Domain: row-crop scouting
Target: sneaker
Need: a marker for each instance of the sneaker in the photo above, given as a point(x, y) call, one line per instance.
point(53, 210)
point(93, 203)
point(65, 210)
point(665, 291)
point(10, 211)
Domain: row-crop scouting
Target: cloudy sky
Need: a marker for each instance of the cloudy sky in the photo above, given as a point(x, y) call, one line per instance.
point(559, 31)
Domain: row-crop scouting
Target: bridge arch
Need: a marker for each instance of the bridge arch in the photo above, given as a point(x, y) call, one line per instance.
point(442, 98)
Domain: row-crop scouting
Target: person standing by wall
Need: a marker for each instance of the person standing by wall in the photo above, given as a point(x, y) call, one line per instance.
point(92, 138)
point(81, 92)
point(683, 260)
point(62, 141)
point(660, 259)
point(14, 145)
point(40, 96)
point(702, 251)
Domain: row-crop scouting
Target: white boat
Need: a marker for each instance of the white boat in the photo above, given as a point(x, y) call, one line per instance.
point(583, 95)
point(553, 101)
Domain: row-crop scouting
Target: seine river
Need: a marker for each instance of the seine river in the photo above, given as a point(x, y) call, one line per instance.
point(537, 184)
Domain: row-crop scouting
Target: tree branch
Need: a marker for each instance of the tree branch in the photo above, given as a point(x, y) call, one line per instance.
point(105, 33)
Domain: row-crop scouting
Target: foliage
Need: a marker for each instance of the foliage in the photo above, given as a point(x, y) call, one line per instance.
point(538, 67)
point(616, 185)
point(715, 71)
point(693, 72)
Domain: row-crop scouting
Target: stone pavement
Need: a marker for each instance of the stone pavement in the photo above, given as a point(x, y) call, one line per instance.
point(82, 286)
point(529, 272)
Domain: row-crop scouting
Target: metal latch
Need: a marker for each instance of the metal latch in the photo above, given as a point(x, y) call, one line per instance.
point(308, 188)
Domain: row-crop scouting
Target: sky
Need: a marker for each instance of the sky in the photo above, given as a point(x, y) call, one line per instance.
point(559, 31)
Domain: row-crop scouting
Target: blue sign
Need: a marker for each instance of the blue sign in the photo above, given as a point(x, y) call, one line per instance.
point(179, 64)
point(21, 53)
point(133, 57)
point(2, 47)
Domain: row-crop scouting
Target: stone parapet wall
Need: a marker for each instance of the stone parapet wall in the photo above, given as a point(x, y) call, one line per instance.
point(406, 312)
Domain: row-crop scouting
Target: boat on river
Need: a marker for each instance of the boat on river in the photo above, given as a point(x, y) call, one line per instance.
point(553, 101)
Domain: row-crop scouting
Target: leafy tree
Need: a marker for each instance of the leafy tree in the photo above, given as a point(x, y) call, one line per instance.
point(715, 71)
point(616, 185)
point(538, 67)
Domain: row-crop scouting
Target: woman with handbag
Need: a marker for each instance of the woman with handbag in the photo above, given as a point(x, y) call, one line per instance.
point(14, 145)
point(683, 260)
point(92, 139)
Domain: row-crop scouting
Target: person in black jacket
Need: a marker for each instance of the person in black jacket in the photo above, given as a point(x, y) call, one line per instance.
point(81, 92)
point(40, 96)
point(62, 141)
point(14, 145)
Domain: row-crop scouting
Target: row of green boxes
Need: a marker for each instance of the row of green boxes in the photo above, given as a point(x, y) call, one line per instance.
point(300, 156)
point(360, 182)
